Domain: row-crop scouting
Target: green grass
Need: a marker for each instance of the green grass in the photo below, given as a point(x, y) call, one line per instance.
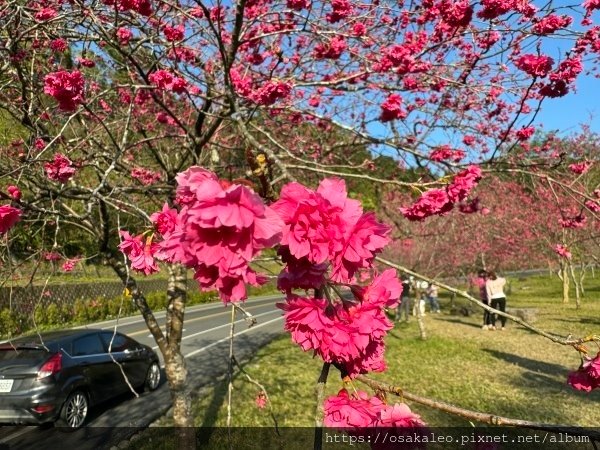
point(513, 373)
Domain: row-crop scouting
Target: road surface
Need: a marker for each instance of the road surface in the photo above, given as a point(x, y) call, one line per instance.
point(206, 348)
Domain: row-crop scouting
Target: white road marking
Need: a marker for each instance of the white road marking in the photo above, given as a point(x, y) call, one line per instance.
point(161, 315)
point(247, 330)
point(221, 326)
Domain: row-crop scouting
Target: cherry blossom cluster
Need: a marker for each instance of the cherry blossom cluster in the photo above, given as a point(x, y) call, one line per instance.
point(265, 95)
point(52, 256)
point(391, 109)
point(60, 169)
point(575, 222)
point(562, 251)
point(218, 230)
point(446, 153)
point(587, 377)
point(163, 79)
point(441, 201)
point(525, 133)
point(580, 167)
point(143, 7)
point(140, 252)
point(535, 65)
point(9, 216)
point(348, 333)
point(359, 411)
point(145, 176)
point(327, 226)
point(14, 192)
point(551, 23)
point(66, 88)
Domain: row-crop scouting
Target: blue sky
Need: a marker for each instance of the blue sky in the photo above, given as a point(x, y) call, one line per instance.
point(567, 113)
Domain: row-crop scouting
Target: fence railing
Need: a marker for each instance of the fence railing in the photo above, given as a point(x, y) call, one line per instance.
point(24, 300)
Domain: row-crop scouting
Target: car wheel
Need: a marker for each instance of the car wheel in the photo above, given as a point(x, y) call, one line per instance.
point(74, 411)
point(152, 377)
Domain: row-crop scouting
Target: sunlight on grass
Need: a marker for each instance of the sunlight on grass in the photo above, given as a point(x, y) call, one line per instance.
point(513, 373)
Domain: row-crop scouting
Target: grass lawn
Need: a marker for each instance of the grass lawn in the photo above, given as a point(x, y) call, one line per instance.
point(513, 373)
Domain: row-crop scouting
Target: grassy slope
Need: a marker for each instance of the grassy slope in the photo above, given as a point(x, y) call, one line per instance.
point(513, 373)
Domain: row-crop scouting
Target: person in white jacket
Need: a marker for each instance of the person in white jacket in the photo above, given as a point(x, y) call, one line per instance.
point(494, 287)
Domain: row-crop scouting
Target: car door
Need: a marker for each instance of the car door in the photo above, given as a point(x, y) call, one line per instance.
point(130, 355)
point(95, 364)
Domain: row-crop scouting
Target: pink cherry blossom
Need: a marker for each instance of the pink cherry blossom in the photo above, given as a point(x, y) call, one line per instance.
point(140, 252)
point(563, 251)
point(164, 79)
point(347, 333)
point(217, 232)
point(581, 167)
point(587, 377)
point(124, 35)
point(582, 381)
point(445, 152)
point(145, 176)
point(332, 49)
point(299, 273)
point(261, 400)
point(463, 183)
point(297, 5)
point(60, 169)
point(535, 65)
point(433, 201)
point(551, 23)
point(525, 133)
point(340, 10)
point(14, 192)
point(271, 92)
point(593, 205)
point(326, 226)
point(165, 220)
point(174, 34)
point(69, 264)
point(385, 290)
point(143, 7)
point(362, 243)
point(45, 14)
point(392, 109)
point(52, 256)
point(592, 366)
point(574, 222)
point(398, 415)
point(66, 88)
point(59, 45)
point(9, 216)
point(346, 411)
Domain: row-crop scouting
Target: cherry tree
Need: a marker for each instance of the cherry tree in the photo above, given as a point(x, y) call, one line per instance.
point(122, 106)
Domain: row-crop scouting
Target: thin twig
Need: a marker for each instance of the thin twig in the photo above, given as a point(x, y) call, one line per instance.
point(320, 413)
point(230, 386)
point(262, 389)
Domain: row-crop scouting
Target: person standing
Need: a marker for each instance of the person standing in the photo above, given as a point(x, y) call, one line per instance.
point(480, 283)
point(432, 296)
point(404, 305)
point(494, 287)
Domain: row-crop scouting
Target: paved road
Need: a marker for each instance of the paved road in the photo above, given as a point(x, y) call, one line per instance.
point(205, 345)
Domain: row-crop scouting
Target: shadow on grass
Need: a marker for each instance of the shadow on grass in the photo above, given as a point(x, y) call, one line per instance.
point(583, 320)
point(461, 322)
point(528, 363)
